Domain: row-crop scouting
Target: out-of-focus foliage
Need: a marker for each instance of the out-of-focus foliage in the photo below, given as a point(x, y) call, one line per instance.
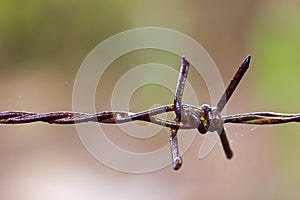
point(56, 28)
point(277, 46)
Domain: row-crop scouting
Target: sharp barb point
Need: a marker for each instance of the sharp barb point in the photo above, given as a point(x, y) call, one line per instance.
point(225, 144)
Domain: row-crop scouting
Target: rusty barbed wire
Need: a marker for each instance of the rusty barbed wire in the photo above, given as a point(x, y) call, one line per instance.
point(18, 117)
point(204, 118)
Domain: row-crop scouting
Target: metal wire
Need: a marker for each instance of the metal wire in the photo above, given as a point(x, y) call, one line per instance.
point(204, 118)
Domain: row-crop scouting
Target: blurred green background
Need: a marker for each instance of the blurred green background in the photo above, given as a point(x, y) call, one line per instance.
point(42, 44)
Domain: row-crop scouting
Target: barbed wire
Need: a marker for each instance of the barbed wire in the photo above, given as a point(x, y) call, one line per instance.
point(204, 118)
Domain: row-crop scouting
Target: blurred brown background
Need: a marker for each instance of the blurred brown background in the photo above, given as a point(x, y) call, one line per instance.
point(42, 44)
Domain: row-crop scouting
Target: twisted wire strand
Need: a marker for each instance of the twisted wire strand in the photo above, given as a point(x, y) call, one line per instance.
point(116, 117)
point(67, 117)
point(261, 118)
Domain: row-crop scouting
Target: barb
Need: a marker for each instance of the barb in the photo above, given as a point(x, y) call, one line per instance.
point(177, 160)
point(234, 83)
point(224, 99)
point(204, 118)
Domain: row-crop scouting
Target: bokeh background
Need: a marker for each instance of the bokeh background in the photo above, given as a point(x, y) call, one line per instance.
point(42, 44)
